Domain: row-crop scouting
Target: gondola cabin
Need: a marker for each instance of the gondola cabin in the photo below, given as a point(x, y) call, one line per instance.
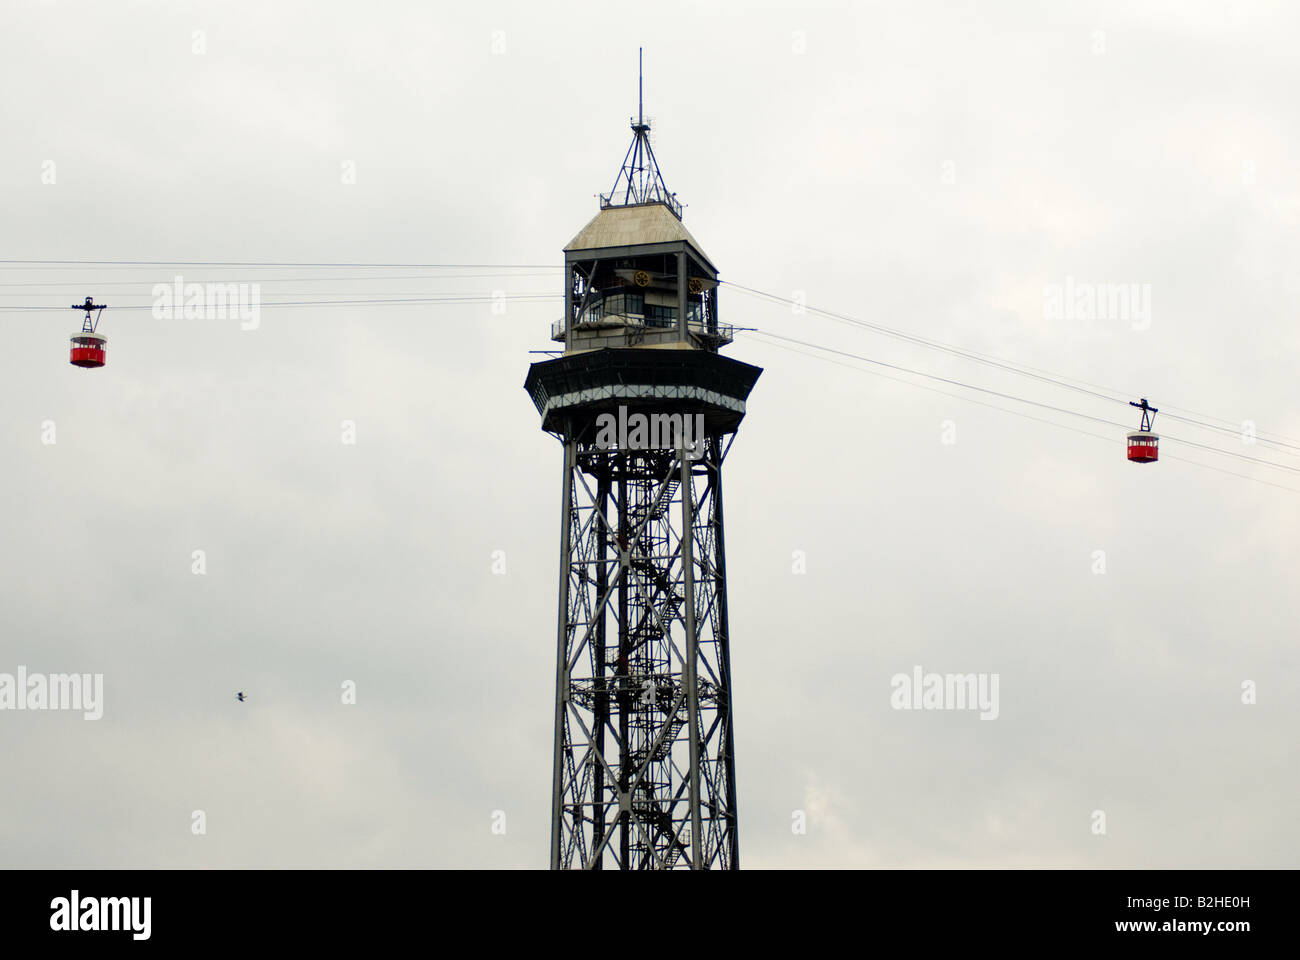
point(89, 349)
point(1143, 447)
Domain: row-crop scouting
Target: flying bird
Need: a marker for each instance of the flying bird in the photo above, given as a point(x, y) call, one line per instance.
point(240, 696)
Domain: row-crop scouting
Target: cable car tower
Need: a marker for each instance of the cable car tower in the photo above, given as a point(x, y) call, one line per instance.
point(643, 766)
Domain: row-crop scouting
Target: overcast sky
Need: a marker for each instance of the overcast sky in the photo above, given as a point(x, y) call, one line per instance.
point(936, 168)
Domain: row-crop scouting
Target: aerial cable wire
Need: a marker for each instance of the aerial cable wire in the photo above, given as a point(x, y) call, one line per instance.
point(1115, 395)
point(1012, 397)
point(1026, 416)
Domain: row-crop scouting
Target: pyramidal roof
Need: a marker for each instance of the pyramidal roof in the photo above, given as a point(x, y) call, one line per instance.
point(630, 226)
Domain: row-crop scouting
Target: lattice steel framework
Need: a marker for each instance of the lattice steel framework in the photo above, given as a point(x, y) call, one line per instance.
point(644, 774)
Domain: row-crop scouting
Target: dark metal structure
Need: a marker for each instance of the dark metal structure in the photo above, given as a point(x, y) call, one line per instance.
point(644, 767)
point(1147, 412)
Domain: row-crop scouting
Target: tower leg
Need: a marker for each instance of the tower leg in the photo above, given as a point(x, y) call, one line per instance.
point(561, 660)
point(691, 659)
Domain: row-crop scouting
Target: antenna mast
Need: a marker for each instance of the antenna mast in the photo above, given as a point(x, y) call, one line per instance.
point(639, 180)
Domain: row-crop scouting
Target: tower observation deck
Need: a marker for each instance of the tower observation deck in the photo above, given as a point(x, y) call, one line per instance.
point(646, 409)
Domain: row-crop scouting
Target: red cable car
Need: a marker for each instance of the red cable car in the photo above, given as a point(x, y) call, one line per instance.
point(1143, 445)
point(89, 348)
